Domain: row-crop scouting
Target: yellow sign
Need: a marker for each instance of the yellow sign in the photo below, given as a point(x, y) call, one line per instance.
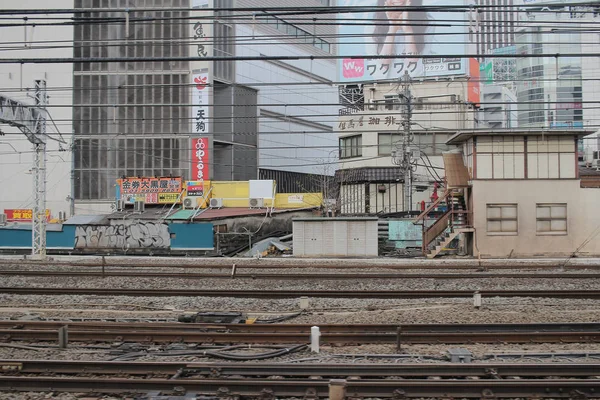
point(167, 198)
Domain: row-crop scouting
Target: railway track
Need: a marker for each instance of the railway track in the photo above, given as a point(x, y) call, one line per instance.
point(281, 294)
point(466, 264)
point(298, 276)
point(270, 389)
point(287, 334)
point(266, 370)
point(270, 381)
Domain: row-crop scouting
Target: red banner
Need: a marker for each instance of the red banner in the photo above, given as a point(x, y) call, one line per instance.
point(22, 215)
point(200, 159)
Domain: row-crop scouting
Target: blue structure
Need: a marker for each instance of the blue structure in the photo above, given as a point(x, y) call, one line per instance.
point(18, 236)
point(180, 236)
point(197, 236)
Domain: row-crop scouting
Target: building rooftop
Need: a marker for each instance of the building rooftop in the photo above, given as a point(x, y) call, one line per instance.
point(231, 212)
point(369, 174)
point(463, 136)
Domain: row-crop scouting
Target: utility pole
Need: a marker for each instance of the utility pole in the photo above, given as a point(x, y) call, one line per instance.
point(402, 155)
point(38, 223)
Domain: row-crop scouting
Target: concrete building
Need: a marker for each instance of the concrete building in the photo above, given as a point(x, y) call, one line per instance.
point(24, 40)
point(552, 90)
point(242, 115)
point(498, 107)
point(522, 195)
point(495, 25)
point(149, 118)
point(370, 181)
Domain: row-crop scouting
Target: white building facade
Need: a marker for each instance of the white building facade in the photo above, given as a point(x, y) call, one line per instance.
point(26, 40)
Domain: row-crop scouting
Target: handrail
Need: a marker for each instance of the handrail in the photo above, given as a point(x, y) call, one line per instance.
point(436, 229)
point(432, 206)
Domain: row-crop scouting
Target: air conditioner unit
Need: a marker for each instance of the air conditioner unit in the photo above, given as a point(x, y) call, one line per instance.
point(596, 163)
point(139, 206)
point(216, 203)
point(256, 203)
point(2, 219)
point(189, 203)
point(120, 204)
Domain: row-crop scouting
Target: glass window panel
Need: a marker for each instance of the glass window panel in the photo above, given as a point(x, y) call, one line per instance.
point(543, 226)
point(509, 226)
point(494, 212)
point(494, 226)
point(558, 212)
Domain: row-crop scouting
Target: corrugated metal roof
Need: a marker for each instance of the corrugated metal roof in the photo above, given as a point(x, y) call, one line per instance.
point(19, 226)
point(87, 220)
point(369, 174)
point(183, 215)
point(148, 214)
point(587, 171)
point(221, 213)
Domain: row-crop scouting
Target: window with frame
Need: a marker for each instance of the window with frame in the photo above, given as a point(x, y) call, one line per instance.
point(551, 219)
point(351, 146)
point(502, 219)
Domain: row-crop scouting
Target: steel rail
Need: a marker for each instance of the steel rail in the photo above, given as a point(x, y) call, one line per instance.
point(275, 294)
point(214, 370)
point(414, 388)
point(300, 276)
point(171, 336)
point(589, 327)
point(208, 264)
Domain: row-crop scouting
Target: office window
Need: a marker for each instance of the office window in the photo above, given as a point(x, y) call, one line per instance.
point(502, 219)
point(551, 219)
point(351, 146)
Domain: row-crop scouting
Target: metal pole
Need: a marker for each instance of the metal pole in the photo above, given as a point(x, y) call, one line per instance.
point(406, 142)
point(38, 215)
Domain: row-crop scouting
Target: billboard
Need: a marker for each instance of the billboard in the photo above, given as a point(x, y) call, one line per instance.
point(375, 32)
point(200, 158)
point(22, 215)
point(474, 84)
point(200, 110)
point(195, 188)
point(150, 190)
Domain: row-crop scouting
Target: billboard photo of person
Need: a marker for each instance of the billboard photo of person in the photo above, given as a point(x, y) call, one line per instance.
point(408, 28)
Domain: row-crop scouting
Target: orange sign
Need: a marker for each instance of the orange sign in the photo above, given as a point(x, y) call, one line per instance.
point(22, 215)
point(474, 88)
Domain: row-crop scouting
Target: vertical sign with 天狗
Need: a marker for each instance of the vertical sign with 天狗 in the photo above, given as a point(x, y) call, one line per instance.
point(201, 47)
point(400, 32)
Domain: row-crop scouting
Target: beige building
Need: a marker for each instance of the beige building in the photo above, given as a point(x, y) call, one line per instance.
point(523, 196)
point(370, 182)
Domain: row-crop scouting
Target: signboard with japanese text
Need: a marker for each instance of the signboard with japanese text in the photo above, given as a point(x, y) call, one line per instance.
point(22, 215)
point(195, 188)
point(200, 105)
point(390, 122)
point(200, 158)
point(150, 190)
point(427, 31)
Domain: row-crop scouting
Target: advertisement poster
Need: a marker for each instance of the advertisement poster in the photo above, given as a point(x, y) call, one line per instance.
point(22, 215)
point(195, 188)
point(424, 31)
point(150, 190)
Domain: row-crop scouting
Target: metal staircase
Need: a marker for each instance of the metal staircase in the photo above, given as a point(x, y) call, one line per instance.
point(454, 221)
